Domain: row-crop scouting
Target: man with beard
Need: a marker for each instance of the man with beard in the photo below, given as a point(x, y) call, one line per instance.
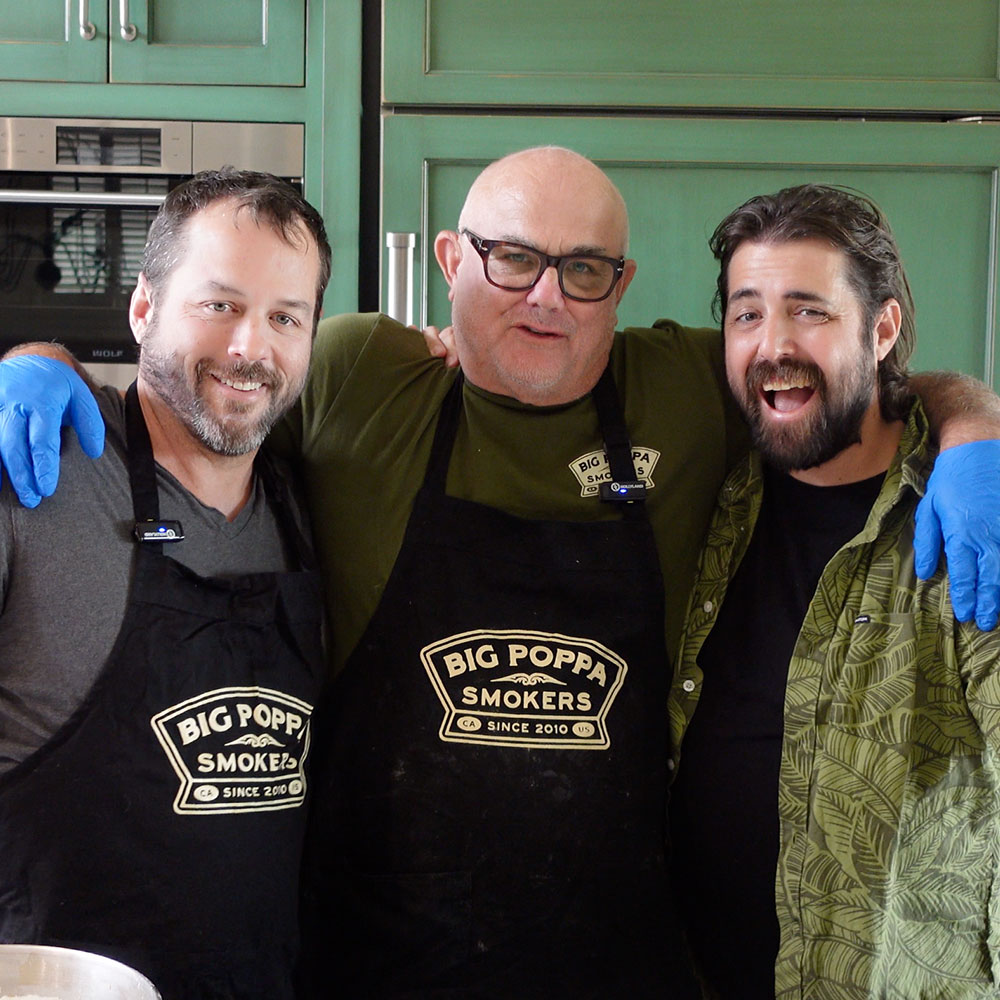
point(160, 626)
point(841, 726)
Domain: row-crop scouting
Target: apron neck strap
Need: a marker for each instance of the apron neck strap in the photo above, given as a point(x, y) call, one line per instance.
point(444, 436)
point(141, 466)
point(281, 494)
point(624, 489)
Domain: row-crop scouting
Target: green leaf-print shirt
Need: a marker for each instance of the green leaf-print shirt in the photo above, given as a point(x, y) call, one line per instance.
point(889, 797)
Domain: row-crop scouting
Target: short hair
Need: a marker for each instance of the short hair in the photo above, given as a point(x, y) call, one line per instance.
point(853, 224)
point(267, 199)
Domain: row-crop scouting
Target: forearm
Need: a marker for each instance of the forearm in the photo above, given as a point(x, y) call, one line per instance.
point(50, 349)
point(959, 408)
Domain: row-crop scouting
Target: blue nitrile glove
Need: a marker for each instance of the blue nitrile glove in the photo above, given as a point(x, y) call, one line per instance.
point(37, 397)
point(962, 505)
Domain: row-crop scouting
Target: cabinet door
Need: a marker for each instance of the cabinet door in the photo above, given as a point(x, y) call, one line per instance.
point(62, 40)
point(938, 184)
point(252, 42)
point(851, 54)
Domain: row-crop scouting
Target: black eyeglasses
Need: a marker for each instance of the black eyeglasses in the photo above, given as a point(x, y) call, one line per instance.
point(516, 268)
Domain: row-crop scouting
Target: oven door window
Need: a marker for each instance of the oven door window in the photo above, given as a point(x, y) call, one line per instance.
point(69, 261)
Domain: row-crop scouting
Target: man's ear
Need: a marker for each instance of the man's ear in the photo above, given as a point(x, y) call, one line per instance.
point(626, 279)
point(887, 325)
point(140, 309)
point(448, 251)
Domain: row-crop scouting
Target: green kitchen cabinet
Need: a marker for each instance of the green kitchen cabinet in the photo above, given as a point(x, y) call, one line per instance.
point(328, 105)
point(826, 54)
point(244, 42)
point(938, 183)
point(53, 40)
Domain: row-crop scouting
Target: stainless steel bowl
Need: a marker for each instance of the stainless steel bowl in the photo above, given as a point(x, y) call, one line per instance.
point(43, 973)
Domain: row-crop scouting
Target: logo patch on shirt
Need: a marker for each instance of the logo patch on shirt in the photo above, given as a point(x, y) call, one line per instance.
point(524, 689)
point(592, 469)
point(236, 749)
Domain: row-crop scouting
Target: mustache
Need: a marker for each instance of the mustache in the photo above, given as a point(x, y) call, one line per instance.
point(239, 371)
point(787, 369)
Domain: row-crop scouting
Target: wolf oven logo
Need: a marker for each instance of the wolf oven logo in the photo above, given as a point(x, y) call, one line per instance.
point(236, 749)
point(524, 689)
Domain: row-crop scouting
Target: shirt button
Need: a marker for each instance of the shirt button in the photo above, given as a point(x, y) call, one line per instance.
point(688, 685)
point(707, 607)
point(670, 764)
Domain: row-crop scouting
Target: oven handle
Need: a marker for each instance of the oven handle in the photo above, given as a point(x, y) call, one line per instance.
point(97, 198)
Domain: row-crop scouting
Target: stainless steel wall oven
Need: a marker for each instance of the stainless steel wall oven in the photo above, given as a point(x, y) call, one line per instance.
point(76, 200)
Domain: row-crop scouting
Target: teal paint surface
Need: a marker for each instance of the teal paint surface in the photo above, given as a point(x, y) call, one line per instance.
point(830, 54)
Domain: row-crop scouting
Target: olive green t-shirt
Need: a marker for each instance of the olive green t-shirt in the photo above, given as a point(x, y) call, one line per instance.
point(364, 425)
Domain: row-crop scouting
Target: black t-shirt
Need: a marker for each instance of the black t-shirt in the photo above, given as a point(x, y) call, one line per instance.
point(724, 809)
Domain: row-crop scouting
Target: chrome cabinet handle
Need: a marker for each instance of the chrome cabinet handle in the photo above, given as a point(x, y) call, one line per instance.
point(128, 30)
point(87, 27)
point(399, 294)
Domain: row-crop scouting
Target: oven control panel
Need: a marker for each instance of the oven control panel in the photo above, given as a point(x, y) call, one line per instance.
point(104, 146)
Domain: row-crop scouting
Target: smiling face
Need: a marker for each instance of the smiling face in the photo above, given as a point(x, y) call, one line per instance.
point(535, 345)
point(799, 359)
point(225, 343)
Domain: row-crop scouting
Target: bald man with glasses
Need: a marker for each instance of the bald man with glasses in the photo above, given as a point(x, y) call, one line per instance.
point(490, 812)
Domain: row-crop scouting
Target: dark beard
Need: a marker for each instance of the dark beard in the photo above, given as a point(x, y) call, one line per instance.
point(834, 426)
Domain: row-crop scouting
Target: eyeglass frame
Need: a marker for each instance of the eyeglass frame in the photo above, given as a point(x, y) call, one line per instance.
point(483, 247)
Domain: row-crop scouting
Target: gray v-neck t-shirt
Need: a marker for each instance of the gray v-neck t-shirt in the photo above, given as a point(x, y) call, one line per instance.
point(65, 571)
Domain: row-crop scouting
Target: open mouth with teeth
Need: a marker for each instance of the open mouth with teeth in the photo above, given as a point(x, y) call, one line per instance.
point(786, 395)
point(242, 386)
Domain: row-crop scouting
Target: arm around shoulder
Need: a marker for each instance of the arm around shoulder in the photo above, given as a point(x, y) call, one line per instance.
point(959, 407)
point(961, 507)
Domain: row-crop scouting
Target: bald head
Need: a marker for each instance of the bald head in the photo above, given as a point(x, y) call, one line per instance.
point(530, 174)
point(535, 344)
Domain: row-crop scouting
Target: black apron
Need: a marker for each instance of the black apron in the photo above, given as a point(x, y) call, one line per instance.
point(491, 816)
point(162, 825)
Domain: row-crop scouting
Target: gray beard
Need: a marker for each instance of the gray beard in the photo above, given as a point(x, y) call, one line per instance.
point(221, 436)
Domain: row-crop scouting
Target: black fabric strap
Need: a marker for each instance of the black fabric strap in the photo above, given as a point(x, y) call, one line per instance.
point(281, 495)
point(625, 488)
point(141, 467)
point(617, 445)
point(444, 436)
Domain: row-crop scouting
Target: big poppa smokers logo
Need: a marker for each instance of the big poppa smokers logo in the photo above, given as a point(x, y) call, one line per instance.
point(592, 469)
point(524, 689)
point(237, 749)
